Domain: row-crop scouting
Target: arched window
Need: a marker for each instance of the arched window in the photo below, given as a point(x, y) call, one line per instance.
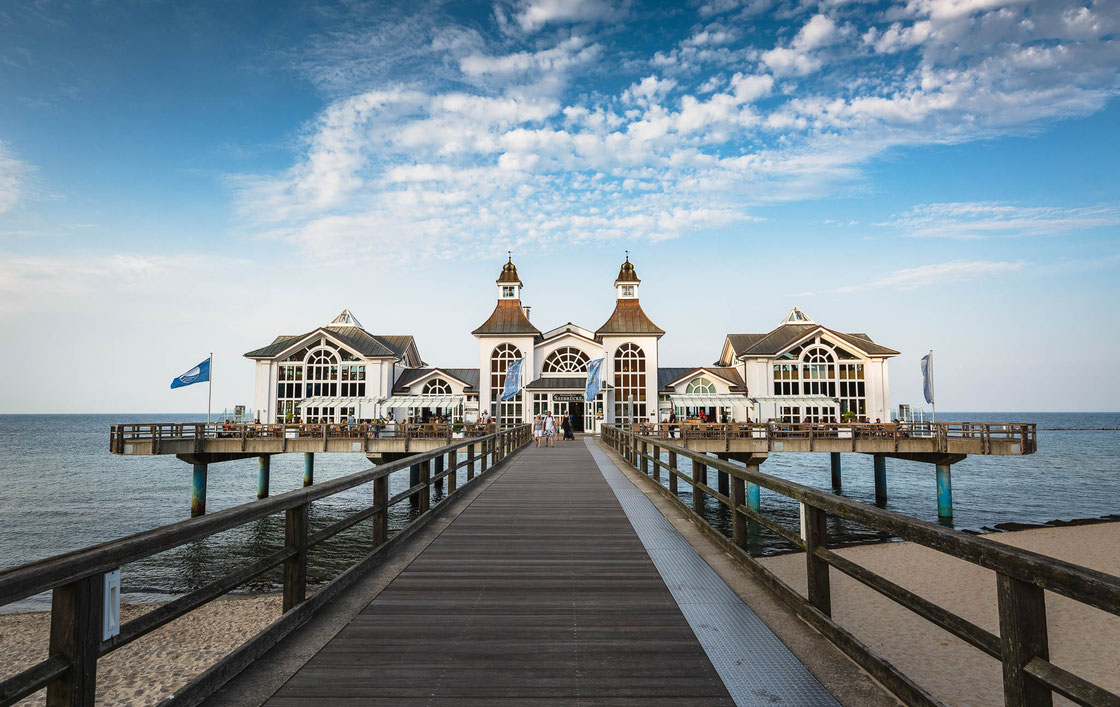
point(322, 381)
point(566, 359)
point(629, 383)
point(818, 377)
point(502, 356)
point(437, 386)
point(701, 386)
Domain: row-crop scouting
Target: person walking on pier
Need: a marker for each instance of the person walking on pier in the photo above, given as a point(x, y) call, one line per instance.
point(538, 430)
point(549, 429)
point(568, 434)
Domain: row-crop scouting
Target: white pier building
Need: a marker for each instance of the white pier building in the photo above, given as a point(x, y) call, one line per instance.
point(799, 371)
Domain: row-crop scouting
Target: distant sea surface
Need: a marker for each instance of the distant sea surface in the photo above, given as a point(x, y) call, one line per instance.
point(62, 490)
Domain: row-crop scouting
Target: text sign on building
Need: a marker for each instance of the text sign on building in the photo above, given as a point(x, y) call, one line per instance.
point(567, 397)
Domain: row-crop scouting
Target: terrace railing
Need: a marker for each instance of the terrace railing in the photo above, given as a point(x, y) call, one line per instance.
point(157, 432)
point(1024, 434)
point(76, 579)
point(1022, 577)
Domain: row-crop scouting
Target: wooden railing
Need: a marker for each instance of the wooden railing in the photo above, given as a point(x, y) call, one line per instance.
point(119, 435)
point(1029, 678)
point(76, 579)
point(1025, 434)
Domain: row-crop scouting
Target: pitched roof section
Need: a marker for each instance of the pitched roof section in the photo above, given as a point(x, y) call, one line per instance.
point(408, 376)
point(628, 318)
point(784, 336)
point(366, 344)
point(665, 376)
point(507, 318)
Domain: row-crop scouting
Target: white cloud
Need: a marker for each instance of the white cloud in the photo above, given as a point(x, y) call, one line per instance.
point(535, 14)
point(977, 220)
point(13, 174)
point(914, 278)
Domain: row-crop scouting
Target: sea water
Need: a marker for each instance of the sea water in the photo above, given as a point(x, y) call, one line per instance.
point(62, 490)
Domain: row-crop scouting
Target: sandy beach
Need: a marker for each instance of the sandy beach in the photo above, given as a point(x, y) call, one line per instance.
point(1082, 639)
point(153, 666)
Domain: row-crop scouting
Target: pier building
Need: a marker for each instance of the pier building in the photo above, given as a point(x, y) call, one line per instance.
point(800, 371)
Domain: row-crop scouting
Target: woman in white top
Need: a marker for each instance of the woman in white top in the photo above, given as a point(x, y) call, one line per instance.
point(549, 429)
point(538, 429)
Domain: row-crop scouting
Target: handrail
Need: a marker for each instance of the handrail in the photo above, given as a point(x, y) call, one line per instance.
point(76, 578)
point(160, 432)
point(1022, 575)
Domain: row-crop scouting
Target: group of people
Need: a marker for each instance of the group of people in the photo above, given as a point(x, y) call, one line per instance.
point(546, 428)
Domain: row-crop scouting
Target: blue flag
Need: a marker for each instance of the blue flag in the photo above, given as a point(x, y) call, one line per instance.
point(198, 374)
point(513, 380)
point(594, 380)
point(927, 377)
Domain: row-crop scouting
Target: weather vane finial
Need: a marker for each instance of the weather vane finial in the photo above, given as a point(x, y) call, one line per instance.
point(509, 255)
point(628, 256)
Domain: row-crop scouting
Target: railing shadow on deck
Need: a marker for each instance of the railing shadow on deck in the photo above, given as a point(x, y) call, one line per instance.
point(1029, 678)
point(76, 579)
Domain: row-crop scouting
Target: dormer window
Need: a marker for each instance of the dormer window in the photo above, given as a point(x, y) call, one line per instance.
point(509, 291)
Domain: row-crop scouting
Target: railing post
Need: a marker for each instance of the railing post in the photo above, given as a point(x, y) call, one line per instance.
point(438, 464)
point(452, 471)
point(380, 518)
point(76, 610)
point(1022, 633)
point(645, 462)
point(816, 569)
point(426, 481)
point(485, 460)
point(295, 567)
point(656, 453)
point(699, 475)
point(738, 518)
point(470, 461)
point(723, 478)
point(672, 475)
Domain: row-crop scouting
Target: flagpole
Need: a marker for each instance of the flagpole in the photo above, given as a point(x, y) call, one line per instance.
point(210, 385)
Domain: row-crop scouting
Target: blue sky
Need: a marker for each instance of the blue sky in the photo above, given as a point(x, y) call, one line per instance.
point(177, 178)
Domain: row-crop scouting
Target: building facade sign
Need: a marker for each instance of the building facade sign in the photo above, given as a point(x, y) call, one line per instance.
point(568, 397)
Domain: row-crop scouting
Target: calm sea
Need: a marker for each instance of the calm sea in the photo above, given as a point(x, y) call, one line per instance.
point(63, 490)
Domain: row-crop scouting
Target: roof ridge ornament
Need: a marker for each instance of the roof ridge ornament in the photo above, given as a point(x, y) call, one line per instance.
point(345, 318)
point(796, 316)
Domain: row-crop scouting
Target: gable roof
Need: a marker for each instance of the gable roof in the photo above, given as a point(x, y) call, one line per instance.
point(668, 376)
point(628, 318)
point(366, 344)
point(507, 318)
point(785, 335)
point(469, 376)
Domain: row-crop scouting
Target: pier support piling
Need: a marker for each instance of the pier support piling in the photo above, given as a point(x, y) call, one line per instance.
point(308, 468)
point(413, 479)
point(880, 478)
point(754, 493)
point(263, 472)
point(438, 470)
point(835, 458)
point(944, 491)
point(198, 491)
point(723, 479)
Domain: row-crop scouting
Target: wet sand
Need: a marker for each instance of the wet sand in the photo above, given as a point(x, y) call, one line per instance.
point(151, 667)
point(1083, 640)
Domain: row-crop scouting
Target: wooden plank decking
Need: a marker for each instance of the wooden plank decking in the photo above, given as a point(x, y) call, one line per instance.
point(539, 592)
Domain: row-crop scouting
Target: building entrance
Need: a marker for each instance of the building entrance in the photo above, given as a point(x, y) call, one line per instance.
point(576, 411)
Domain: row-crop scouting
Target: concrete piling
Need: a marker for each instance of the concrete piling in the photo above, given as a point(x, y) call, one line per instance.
point(263, 472)
point(944, 492)
point(835, 458)
point(198, 491)
point(308, 468)
point(880, 478)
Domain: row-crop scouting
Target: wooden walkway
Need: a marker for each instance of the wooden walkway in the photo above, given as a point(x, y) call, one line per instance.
point(540, 592)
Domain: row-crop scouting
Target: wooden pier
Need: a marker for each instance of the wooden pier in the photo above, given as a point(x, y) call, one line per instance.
point(540, 589)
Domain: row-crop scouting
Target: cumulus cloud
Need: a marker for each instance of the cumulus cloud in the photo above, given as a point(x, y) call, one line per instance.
point(570, 134)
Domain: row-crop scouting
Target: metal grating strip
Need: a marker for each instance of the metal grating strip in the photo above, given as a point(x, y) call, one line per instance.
point(755, 666)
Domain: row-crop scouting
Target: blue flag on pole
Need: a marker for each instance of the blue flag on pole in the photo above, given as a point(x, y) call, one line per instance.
point(513, 380)
point(927, 377)
point(198, 374)
point(594, 380)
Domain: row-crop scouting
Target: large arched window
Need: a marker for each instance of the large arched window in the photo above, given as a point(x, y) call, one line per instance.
point(700, 386)
point(502, 356)
point(566, 359)
point(629, 383)
point(437, 386)
point(818, 377)
point(321, 375)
